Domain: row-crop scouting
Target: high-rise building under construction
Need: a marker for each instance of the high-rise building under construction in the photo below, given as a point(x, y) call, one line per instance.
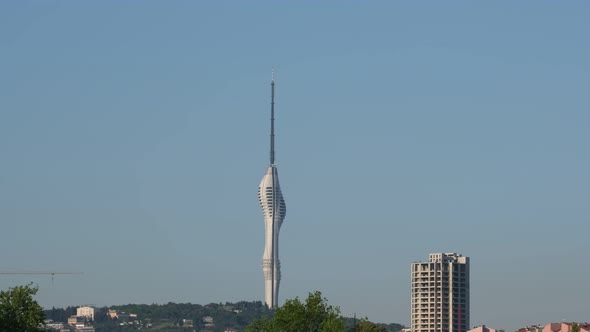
point(440, 294)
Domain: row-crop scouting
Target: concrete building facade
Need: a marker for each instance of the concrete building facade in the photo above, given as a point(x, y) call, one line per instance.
point(440, 294)
point(86, 311)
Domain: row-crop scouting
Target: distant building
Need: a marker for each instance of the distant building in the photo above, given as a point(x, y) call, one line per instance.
point(482, 328)
point(122, 315)
point(50, 324)
point(565, 327)
point(207, 323)
point(87, 312)
point(532, 328)
point(75, 320)
point(115, 314)
point(112, 314)
point(440, 294)
point(85, 329)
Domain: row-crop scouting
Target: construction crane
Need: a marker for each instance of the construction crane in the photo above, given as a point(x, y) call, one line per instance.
point(53, 274)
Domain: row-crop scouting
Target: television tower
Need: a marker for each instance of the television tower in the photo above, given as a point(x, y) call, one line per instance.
point(274, 210)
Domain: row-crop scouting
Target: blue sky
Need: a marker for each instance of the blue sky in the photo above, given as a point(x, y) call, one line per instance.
point(133, 136)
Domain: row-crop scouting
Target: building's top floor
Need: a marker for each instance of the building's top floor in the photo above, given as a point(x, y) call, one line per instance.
point(446, 258)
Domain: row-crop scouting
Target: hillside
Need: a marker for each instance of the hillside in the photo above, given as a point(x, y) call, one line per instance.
point(181, 317)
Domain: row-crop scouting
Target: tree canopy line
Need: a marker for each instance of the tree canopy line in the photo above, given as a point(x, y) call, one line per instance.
point(20, 312)
point(315, 315)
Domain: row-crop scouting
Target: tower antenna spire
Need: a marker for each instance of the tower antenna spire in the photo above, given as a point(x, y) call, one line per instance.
point(272, 118)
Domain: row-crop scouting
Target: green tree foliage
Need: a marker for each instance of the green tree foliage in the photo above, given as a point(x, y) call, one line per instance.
point(60, 314)
point(350, 323)
point(366, 326)
point(392, 327)
point(260, 325)
point(169, 316)
point(315, 315)
point(575, 328)
point(18, 310)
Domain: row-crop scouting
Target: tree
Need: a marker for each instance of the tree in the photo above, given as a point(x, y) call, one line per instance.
point(18, 310)
point(366, 326)
point(260, 325)
point(575, 328)
point(315, 315)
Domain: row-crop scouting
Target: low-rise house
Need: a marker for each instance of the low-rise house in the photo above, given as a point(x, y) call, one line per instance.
point(116, 314)
point(75, 320)
point(112, 314)
point(482, 328)
point(532, 328)
point(50, 324)
point(566, 327)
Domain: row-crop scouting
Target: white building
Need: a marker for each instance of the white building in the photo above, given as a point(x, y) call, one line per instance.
point(87, 312)
point(440, 294)
point(50, 324)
